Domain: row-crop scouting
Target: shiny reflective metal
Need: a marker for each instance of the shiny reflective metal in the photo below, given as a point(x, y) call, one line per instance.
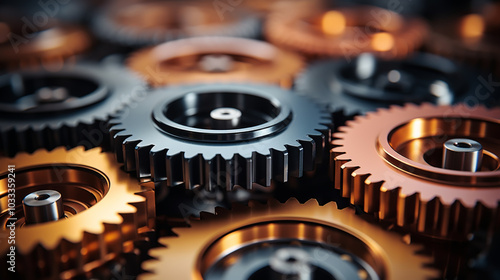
point(462, 154)
point(43, 206)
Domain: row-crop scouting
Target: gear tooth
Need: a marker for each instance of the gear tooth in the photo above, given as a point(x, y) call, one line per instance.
point(242, 171)
point(357, 196)
point(320, 145)
point(295, 160)
point(118, 138)
point(175, 165)
point(279, 165)
point(407, 208)
point(142, 161)
point(388, 203)
point(262, 166)
point(128, 150)
point(309, 152)
point(371, 197)
point(157, 163)
point(194, 171)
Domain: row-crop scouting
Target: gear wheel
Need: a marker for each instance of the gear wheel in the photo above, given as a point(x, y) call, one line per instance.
point(154, 22)
point(53, 44)
point(346, 32)
point(249, 243)
point(370, 83)
point(69, 107)
point(471, 38)
point(103, 211)
point(221, 135)
point(390, 162)
point(212, 59)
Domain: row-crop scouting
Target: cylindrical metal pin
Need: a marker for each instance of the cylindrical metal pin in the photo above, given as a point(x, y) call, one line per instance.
point(291, 263)
point(462, 154)
point(43, 206)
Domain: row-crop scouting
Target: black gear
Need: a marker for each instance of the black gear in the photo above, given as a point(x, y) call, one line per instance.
point(364, 85)
point(68, 107)
point(172, 135)
point(105, 26)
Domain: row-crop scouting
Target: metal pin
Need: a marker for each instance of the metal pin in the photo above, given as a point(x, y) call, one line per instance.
point(43, 206)
point(462, 154)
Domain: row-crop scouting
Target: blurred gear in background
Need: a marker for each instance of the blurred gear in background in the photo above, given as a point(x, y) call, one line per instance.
point(346, 32)
point(24, 44)
point(221, 135)
point(368, 83)
point(472, 38)
point(285, 241)
point(432, 169)
point(216, 59)
point(75, 210)
point(142, 23)
point(67, 107)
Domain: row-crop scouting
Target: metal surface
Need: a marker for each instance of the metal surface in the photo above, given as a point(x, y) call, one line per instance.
point(241, 243)
point(399, 176)
point(104, 211)
point(368, 83)
point(216, 59)
point(170, 135)
point(154, 22)
point(68, 107)
point(346, 32)
point(43, 206)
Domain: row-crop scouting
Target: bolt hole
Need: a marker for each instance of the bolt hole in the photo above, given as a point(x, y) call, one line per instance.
point(291, 260)
point(464, 145)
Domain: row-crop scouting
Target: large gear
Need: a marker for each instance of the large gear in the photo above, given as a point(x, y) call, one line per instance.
point(153, 22)
point(245, 243)
point(68, 107)
point(346, 32)
point(221, 135)
point(52, 43)
point(216, 59)
point(369, 83)
point(400, 174)
point(103, 211)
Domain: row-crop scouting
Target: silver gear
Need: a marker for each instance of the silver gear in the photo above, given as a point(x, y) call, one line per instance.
point(158, 141)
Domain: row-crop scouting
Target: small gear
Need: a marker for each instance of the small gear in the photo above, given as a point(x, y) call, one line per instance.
point(154, 22)
point(431, 169)
point(471, 38)
point(346, 32)
point(68, 107)
point(216, 59)
point(74, 210)
point(221, 135)
point(46, 45)
point(369, 83)
point(290, 239)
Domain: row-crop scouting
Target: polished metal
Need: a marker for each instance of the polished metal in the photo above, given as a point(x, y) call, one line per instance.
point(462, 154)
point(43, 206)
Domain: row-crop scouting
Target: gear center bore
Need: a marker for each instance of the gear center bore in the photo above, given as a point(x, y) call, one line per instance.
point(51, 192)
point(222, 116)
point(48, 93)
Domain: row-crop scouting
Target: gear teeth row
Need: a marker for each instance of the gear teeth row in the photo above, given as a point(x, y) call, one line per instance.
point(194, 171)
point(13, 141)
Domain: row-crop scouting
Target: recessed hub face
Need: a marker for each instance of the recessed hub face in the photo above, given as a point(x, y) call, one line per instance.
point(222, 116)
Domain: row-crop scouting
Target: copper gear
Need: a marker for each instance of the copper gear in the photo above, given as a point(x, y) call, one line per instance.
point(471, 38)
point(49, 47)
point(104, 211)
point(389, 162)
point(228, 231)
point(346, 32)
point(216, 59)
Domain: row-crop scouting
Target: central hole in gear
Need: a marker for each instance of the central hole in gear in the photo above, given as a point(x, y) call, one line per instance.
point(194, 109)
point(42, 197)
point(462, 145)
